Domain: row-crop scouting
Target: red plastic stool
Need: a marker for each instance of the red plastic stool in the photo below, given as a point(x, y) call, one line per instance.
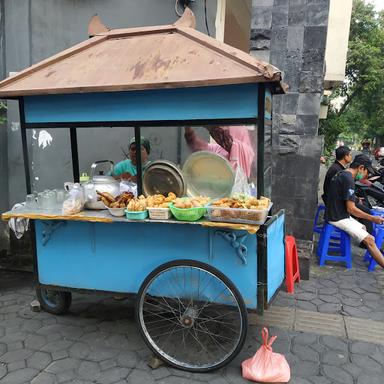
point(292, 270)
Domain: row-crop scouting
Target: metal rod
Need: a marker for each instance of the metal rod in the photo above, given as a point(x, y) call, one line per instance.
point(262, 275)
point(149, 123)
point(260, 139)
point(24, 144)
point(74, 154)
point(28, 185)
point(138, 161)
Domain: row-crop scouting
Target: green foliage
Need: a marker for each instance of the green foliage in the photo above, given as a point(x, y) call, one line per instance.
point(3, 112)
point(362, 112)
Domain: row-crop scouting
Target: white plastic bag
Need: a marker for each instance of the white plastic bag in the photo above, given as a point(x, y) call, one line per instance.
point(75, 202)
point(241, 186)
point(128, 186)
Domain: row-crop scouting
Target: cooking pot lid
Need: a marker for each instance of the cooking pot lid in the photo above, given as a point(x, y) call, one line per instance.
point(162, 177)
point(208, 174)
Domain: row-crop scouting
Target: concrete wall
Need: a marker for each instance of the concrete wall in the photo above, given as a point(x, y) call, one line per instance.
point(291, 34)
point(35, 30)
point(337, 41)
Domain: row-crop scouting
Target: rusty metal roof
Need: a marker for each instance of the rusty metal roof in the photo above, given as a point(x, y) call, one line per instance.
point(170, 56)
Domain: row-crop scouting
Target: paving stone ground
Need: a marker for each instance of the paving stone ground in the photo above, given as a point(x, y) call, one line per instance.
point(334, 289)
point(98, 342)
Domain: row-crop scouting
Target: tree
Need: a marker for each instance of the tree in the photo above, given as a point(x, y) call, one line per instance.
point(361, 114)
point(3, 112)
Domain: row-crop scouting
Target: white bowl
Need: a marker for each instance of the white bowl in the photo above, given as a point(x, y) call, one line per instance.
point(117, 211)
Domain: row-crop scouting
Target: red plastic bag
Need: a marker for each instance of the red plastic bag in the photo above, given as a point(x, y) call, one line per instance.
point(266, 366)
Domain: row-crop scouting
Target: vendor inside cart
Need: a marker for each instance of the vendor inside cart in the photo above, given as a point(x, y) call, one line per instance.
point(126, 169)
point(232, 142)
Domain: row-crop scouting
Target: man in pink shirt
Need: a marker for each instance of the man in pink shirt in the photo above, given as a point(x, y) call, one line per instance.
point(231, 142)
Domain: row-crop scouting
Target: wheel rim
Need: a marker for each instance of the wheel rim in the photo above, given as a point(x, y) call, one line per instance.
point(51, 298)
point(191, 317)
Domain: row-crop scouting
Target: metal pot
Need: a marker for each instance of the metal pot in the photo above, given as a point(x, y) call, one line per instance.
point(161, 177)
point(101, 183)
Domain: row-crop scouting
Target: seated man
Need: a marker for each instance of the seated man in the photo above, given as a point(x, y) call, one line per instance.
point(341, 205)
point(343, 158)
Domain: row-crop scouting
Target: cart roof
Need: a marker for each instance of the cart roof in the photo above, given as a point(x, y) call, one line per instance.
point(169, 56)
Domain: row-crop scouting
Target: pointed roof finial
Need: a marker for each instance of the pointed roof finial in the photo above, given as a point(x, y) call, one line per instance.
point(187, 19)
point(96, 26)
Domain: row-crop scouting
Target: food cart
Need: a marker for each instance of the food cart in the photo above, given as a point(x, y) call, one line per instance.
point(194, 282)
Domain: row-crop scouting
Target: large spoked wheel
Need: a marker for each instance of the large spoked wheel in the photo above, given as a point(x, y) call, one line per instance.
point(191, 316)
point(56, 302)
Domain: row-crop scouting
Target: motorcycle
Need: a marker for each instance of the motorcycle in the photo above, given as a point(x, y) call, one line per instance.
point(370, 193)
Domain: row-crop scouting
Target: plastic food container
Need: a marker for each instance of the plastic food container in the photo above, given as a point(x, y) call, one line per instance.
point(159, 213)
point(188, 214)
point(118, 212)
point(136, 215)
point(237, 215)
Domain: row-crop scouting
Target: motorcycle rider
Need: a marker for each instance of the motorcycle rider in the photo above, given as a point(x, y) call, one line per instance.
point(341, 205)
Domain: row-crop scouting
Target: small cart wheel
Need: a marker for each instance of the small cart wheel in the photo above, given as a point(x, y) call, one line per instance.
point(191, 316)
point(56, 302)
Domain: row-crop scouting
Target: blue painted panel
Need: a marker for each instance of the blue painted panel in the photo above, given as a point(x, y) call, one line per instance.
point(219, 102)
point(268, 104)
point(275, 256)
point(117, 257)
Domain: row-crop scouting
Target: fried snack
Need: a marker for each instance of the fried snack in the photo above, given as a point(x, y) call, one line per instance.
point(110, 198)
point(105, 201)
point(120, 201)
point(188, 202)
point(247, 208)
point(137, 204)
point(160, 201)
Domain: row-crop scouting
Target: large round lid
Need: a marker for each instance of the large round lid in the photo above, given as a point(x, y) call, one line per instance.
point(162, 177)
point(208, 174)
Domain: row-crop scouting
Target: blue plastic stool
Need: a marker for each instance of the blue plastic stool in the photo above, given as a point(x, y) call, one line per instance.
point(328, 244)
point(378, 231)
point(317, 228)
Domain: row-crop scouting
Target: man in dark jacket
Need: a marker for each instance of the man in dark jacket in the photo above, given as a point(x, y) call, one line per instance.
point(343, 158)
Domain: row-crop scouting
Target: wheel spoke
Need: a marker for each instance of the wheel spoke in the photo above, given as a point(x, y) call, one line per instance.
point(191, 317)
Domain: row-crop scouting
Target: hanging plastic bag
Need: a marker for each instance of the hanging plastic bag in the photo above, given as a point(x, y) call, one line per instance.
point(240, 186)
point(75, 202)
point(128, 186)
point(266, 366)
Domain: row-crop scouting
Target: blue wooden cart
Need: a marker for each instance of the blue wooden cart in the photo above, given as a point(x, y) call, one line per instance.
point(193, 283)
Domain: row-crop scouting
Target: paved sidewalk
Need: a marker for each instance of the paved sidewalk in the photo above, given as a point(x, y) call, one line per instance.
point(98, 342)
point(334, 289)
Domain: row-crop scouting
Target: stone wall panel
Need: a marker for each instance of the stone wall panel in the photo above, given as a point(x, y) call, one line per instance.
point(295, 37)
point(307, 124)
point(316, 14)
point(296, 15)
point(315, 37)
point(309, 104)
point(297, 44)
point(262, 17)
point(310, 82)
point(280, 16)
point(313, 60)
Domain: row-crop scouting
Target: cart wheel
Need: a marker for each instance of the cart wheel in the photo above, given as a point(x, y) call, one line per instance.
point(56, 302)
point(191, 316)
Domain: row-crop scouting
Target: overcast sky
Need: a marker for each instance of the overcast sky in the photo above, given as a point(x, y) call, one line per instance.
point(379, 4)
